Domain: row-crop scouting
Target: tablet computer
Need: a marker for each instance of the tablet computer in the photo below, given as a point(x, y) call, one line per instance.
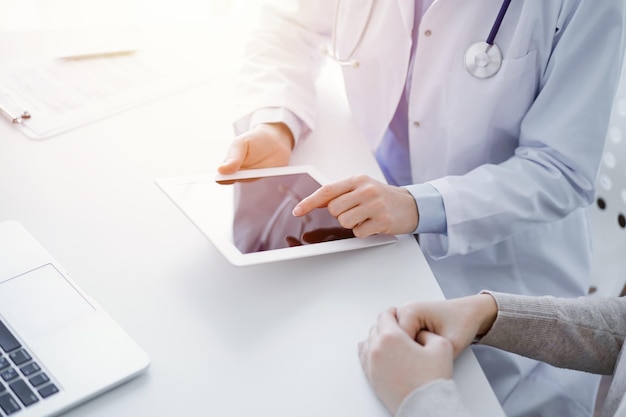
point(248, 217)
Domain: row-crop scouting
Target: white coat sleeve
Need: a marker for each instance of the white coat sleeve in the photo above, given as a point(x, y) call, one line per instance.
point(282, 60)
point(554, 168)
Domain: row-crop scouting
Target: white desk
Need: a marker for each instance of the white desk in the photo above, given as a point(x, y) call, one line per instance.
point(273, 340)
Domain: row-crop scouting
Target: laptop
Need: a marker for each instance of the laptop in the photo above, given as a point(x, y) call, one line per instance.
point(58, 347)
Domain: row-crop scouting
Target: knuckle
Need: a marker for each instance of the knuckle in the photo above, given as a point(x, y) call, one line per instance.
point(444, 344)
point(326, 190)
point(389, 338)
point(369, 190)
point(344, 221)
point(333, 210)
point(360, 178)
point(360, 232)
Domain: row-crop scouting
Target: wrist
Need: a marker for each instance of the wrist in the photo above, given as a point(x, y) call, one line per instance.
point(487, 312)
point(281, 131)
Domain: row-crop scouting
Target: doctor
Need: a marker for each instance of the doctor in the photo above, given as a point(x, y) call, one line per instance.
point(488, 119)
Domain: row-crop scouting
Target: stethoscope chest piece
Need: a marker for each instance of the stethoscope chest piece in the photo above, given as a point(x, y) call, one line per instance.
point(483, 60)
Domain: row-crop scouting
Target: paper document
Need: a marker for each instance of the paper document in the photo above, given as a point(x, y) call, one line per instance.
point(61, 94)
point(27, 45)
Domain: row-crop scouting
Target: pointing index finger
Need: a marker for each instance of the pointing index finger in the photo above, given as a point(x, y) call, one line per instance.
point(321, 197)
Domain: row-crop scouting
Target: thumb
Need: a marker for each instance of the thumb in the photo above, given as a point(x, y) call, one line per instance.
point(234, 158)
point(429, 339)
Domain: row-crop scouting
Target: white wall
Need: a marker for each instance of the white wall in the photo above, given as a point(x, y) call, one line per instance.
point(55, 14)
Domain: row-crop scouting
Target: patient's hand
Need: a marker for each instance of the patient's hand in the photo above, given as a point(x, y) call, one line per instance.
point(459, 320)
point(396, 364)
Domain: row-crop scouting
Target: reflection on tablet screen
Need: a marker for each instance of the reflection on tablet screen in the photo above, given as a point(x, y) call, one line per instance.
point(263, 219)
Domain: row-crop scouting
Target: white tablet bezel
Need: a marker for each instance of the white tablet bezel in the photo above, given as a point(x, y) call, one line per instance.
point(197, 195)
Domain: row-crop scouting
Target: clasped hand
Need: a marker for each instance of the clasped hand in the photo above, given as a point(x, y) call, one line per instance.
point(416, 344)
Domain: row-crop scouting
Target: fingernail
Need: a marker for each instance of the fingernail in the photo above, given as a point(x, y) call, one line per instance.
point(296, 211)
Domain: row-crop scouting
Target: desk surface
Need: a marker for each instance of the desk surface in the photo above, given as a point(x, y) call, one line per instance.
point(273, 340)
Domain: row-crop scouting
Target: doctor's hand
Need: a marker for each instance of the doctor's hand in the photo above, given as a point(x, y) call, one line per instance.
point(264, 146)
point(397, 364)
point(459, 320)
point(365, 205)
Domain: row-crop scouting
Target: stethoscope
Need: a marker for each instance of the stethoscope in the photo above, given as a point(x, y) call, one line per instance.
point(349, 61)
point(482, 59)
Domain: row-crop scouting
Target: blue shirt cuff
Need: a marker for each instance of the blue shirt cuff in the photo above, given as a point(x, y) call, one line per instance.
point(432, 213)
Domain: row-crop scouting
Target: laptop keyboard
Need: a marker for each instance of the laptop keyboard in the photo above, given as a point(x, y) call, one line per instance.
point(23, 382)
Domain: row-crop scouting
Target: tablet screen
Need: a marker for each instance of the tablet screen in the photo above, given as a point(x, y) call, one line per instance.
point(247, 215)
point(263, 219)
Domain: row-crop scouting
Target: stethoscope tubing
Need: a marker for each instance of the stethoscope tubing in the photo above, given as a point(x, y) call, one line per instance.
point(492, 51)
point(498, 22)
point(348, 60)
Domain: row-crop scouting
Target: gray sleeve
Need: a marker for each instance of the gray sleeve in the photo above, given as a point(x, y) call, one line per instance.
point(439, 398)
point(583, 333)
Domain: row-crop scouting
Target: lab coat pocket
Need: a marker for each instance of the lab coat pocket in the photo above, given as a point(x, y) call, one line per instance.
point(487, 112)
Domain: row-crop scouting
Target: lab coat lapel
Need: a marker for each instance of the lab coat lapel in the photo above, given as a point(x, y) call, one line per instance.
point(351, 25)
point(384, 59)
point(353, 14)
point(407, 10)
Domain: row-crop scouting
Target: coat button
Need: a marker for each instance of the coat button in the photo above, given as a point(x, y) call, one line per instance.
point(428, 32)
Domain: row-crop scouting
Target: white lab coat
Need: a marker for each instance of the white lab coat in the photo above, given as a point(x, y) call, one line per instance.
point(514, 157)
